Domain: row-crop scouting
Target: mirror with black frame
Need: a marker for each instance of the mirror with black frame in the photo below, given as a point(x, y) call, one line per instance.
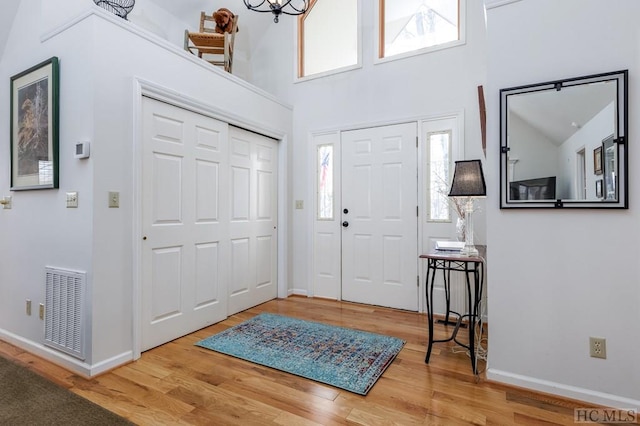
point(563, 143)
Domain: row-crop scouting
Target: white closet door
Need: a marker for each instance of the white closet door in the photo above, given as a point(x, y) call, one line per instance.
point(253, 219)
point(184, 222)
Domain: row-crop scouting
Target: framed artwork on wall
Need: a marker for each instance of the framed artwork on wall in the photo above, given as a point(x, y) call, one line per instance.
point(597, 161)
point(34, 127)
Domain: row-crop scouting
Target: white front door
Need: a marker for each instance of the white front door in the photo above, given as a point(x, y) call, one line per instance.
point(253, 218)
point(184, 222)
point(379, 216)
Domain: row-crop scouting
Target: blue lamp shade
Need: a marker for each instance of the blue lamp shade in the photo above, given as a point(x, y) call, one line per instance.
point(468, 180)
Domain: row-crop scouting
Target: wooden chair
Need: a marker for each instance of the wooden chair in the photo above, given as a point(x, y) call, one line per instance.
point(218, 48)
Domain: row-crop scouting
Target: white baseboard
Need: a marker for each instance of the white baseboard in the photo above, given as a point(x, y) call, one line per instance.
point(566, 391)
point(111, 363)
point(62, 359)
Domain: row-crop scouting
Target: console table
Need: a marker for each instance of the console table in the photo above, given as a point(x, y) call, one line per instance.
point(472, 267)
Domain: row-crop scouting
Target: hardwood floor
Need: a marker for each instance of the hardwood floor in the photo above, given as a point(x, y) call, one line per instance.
point(179, 383)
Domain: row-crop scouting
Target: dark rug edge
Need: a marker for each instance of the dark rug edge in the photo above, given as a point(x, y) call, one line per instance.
point(110, 417)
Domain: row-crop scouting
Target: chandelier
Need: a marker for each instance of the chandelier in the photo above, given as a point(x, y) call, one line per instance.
point(277, 7)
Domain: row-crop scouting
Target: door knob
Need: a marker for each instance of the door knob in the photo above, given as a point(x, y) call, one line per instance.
point(345, 224)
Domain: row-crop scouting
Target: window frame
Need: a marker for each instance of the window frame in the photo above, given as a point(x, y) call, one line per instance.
point(380, 25)
point(299, 63)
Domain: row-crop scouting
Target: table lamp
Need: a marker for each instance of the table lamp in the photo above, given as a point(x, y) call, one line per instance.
point(468, 182)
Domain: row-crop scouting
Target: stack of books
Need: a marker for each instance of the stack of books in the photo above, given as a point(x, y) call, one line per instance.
point(449, 245)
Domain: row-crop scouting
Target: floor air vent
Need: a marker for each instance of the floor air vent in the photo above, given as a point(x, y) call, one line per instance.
point(64, 304)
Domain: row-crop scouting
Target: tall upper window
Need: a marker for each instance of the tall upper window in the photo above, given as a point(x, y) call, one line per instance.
point(418, 25)
point(328, 37)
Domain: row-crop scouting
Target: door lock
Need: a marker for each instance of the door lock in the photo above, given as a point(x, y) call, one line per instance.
point(345, 224)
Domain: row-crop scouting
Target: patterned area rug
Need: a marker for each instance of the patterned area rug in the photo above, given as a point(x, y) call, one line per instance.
point(341, 357)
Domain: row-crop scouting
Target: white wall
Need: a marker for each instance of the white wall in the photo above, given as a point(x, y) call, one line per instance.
point(148, 15)
point(557, 277)
point(39, 231)
point(9, 10)
point(158, 21)
point(589, 137)
point(100, 63)
point(537, 155)
point(421, 86)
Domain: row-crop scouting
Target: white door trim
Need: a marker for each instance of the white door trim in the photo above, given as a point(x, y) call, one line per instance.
point(147, 88)
point(420, 120)
point(315, 140)
point(458, 116)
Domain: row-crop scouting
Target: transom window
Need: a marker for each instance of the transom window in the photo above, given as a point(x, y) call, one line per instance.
point(418, 25)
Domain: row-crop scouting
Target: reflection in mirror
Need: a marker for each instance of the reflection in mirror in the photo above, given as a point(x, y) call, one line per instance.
point(608, 167)
point(563, 143)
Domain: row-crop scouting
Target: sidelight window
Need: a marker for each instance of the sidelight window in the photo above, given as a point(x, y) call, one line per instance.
point(325, 182)
point(439, 170)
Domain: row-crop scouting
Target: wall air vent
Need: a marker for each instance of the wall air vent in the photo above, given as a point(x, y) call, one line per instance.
point(64, 309)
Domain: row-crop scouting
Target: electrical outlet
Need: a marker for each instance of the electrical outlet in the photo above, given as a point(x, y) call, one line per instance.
point(598, 347)
point(28, 307)
point(42, 311)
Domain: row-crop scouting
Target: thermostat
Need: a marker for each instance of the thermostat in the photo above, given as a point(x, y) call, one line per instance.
point(82, 150)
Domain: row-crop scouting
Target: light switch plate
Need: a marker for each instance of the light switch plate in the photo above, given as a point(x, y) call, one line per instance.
point(6, 202)
point(114, 200)
point(72, 200)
